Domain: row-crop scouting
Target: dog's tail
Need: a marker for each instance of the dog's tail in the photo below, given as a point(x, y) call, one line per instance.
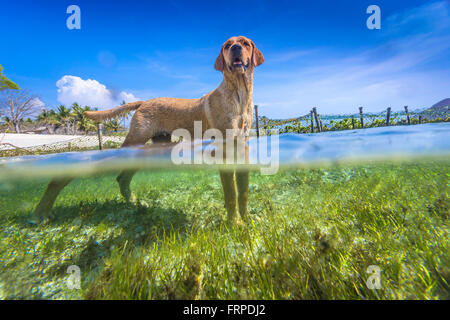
point(112, 113)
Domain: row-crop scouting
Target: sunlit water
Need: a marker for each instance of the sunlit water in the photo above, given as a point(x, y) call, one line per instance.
point(383, 143)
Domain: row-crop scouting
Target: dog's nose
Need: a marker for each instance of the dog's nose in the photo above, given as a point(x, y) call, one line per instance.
point(236, 49)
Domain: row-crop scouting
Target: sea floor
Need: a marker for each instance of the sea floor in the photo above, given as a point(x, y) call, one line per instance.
point(312, 233)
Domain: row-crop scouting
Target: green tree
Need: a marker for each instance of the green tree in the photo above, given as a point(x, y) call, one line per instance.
point(65, 117)
point(49, 119)
point(72, 119)
point(5, 83)
point(113, 125)
point(6, 123)
point(84, 124)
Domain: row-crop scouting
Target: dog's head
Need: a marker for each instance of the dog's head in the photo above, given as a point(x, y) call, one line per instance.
point(238, 55)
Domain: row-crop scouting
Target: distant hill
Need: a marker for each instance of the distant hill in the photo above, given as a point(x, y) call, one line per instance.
point(438, 110)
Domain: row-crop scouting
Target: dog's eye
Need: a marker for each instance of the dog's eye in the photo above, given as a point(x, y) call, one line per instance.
point(246, 44)
point(227, 46)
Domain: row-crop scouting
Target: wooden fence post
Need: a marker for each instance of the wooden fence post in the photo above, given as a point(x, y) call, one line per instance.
point(257, 120)
point(317, 119)
point(388, 115)
point(353, 123)
point(407, 115)
point(420, 119)
point(100, 134)
point(312, 122)
point(361, 116)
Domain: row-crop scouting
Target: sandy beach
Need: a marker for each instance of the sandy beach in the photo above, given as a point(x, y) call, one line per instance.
point(36, 140)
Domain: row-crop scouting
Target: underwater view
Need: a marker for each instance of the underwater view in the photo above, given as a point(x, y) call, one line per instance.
point(224, 159)
point(340, 204)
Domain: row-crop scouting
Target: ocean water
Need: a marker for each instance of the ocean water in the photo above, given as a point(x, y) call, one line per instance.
point(291, 150)
point(322, 181)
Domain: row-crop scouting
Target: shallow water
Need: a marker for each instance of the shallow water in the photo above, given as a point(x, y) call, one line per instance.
point(383, 143)
point(340, 202)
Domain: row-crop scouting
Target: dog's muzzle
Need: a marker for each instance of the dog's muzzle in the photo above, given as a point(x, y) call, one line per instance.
point(237, 63)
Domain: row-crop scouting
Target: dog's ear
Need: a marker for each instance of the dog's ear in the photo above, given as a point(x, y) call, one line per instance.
point(257, 56)
point(219, 61)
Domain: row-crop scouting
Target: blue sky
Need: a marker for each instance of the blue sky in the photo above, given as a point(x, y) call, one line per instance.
point(318, 53)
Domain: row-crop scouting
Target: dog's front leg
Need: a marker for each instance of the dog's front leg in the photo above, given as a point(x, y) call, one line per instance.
point(229, 192)
point(242, 181)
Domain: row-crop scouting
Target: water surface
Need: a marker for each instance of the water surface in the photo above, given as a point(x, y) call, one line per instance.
point(382, 143)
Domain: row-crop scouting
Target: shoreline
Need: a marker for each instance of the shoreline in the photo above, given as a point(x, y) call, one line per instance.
point(25, 140)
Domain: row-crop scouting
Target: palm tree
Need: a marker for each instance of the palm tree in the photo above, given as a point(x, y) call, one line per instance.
point(84, 124)
point(113, 125)
point(6, 123)
point(50, 120)
point(65, 117)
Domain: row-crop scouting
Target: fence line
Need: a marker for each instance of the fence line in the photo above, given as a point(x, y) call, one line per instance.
point(314, 117)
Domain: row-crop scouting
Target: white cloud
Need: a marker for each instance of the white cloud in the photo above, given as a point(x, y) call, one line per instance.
point(38, 103)
point(90, 93)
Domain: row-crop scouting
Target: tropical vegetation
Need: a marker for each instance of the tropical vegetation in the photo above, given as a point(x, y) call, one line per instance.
point(5, 83)
point(62, 120)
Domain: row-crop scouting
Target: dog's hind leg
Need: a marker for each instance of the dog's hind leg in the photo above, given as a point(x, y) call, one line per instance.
point(124, 180)
point(125, 176)
point(138, 135)
point(48, 199)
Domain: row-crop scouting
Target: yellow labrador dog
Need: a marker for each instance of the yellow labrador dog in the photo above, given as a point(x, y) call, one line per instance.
point(230, 106)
